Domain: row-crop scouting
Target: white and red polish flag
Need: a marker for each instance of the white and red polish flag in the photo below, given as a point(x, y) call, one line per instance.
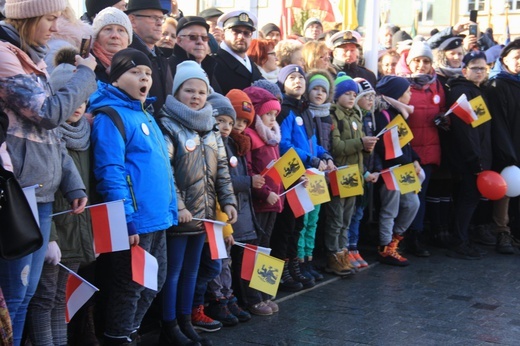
point(217, 247)
point(462, 108)
point(145, 268)
point(299, 200)
point(249, 259)
point(109, 227)
point(389, 179)
point(78, 291)
point(392, 145)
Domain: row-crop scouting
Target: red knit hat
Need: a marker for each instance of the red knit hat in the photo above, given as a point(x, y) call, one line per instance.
point(242, 105)
point(263, 100)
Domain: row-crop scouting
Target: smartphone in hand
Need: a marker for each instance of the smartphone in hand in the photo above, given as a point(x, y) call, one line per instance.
point(84, 50)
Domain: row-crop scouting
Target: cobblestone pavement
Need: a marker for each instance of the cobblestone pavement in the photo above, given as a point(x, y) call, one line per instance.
point(435, 301)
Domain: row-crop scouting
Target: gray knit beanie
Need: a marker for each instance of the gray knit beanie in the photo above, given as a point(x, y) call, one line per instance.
point(419, 48)
point(222, 106)
point(61, 75)
point(111, 16)
point(188, 69)
point(21, 9)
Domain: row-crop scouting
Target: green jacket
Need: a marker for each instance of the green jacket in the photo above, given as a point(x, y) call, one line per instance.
point(347, 148)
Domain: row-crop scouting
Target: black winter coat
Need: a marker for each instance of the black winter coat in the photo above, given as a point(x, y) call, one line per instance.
point(232, 74)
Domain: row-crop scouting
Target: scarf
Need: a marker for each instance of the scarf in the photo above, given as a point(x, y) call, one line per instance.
point(270, 137)
point(421, 80)
point(76, 135)
point(449, 72)
point(36, 53)
point(201, 120)
point(103, 56)
point(243, 143)
point(270, 76)
point(319, 111)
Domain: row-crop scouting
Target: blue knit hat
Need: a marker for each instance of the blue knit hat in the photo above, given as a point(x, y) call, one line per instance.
point(392, 86)
point(343, 84)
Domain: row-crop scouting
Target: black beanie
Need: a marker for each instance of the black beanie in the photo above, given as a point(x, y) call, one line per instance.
point(392, 86)
point(266, 29)
point(126, 59)
point(95, 6)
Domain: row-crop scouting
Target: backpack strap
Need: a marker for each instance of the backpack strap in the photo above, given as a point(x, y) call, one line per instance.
point(115, 117)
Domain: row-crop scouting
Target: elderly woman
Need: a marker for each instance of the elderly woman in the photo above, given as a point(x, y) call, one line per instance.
point(35, 111)
point(168, 36)
point(316, 55)
point(428, 100)
point(262, 53)
point(112, 33)
point(289, 52)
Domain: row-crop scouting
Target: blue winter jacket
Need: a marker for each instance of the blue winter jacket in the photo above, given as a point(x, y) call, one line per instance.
point(137, 171)
point(294, 127)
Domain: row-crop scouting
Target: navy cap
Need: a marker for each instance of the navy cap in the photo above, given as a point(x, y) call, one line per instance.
point(187, 21)
point(237, 18)
point(210, 13)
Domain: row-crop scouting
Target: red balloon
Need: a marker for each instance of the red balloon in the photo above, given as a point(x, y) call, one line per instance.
point(491, 185)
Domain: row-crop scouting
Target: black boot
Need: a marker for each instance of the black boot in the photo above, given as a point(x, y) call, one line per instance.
point(287, 283)
point(187, 329)
point(171, 334)
point(413, 244)
point(297, 275)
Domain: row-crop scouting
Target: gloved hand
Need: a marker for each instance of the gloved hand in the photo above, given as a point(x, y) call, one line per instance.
point(442, 121)
point(53, 253)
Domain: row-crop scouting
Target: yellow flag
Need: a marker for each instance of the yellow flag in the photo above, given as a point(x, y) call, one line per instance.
point(405, 134)
point(287, 168)
point(348, 9)
point(318, 189)
point(346, 181)
point(407, 179)
point(481, 110)
point(266, 274)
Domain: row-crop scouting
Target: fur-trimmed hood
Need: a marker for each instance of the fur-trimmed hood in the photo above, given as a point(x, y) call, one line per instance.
point(325, 73)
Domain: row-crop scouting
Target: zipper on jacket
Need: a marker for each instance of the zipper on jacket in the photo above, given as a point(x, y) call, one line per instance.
point(131, 186)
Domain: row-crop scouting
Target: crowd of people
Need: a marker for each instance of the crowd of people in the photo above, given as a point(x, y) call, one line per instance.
point(179, 115)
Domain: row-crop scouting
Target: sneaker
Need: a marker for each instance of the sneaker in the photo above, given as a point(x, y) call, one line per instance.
point(389, 255)
point(335, 265)
point(482, 234)
point(237, 311)
point(272, 305)
point(359, 259)
point(352, 259)
point(504, 243)
point(200, 321)
point(313, 271)
point(261, 309)
point(218, 310)
point(464, 252)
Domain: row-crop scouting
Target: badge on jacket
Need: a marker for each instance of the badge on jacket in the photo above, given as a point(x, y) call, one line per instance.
point(436, 99)
point(190, 145)
point(233, 161)
point(354, 125)
point(299, 121)
point(145, 129)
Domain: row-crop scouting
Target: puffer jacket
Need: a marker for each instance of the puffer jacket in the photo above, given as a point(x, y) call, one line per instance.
point(347, 147)
point(201, 175)
point(35, 111)
point(136, 170)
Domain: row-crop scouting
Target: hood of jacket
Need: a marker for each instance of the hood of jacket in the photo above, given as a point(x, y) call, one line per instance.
point(109, 95)
point(327, 74)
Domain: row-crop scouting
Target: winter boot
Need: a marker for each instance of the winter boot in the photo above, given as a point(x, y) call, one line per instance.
point(335, 265)
point(505, 243)
point(187, 329)
point(346, 261)
point(287, 283)
point(241, 314)
point(413, 244)
point(218, 310)
point(171, 335)
point(295, 271)
point(312, 271)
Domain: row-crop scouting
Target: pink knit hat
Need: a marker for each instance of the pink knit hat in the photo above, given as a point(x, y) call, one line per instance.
point(21, 9)
point(263, 100)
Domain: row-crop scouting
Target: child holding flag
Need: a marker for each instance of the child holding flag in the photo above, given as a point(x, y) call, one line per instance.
point(298, 132)
point(320, 91)
point(349, 145)
point(149, 195)
point(397, 210)
point(198, 159)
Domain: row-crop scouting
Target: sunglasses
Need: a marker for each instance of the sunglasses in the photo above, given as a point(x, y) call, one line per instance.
point(204, 38)
point(245, 33)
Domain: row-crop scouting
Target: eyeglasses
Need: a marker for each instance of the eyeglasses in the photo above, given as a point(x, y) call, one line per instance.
point(370, 97)
point(245, 33)
point(204, 38)
point(272, 53)
point(156, 19)
point(478, 69)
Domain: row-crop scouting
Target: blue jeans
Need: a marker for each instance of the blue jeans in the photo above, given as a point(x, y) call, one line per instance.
point(208, 270)
point(19, 278)
point(353, 228)
point(184, 254)
point(418, 222)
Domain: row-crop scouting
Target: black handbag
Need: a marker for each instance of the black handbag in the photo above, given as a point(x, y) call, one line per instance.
point(19, 231)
